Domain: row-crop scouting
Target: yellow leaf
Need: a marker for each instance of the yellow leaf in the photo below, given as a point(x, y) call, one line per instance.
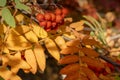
point(8, 75)
point(52, 48)
point(19, 17)
point(39, 31)
point(31, 60)
point(22, 29)
point(31, 36)
point(40, 56)
point(60, 42)
point(77, 25)
point(15, 41)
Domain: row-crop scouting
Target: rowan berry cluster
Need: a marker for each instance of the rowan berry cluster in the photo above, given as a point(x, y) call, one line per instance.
point(51, 20)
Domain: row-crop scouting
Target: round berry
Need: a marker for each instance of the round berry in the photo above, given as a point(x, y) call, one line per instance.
point(43, 23)
point(47, 16)
point(53, 17)
point(54, 24)
point(65, 11)
point(58, 11)
point(58, 18)
point(40, 17)
point(49, 24)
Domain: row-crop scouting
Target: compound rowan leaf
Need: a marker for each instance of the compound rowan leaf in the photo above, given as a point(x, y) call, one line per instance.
point(31, 60)
point(90, 74)
point(71, 68)
point(8, 75)
point(39, 31)
point(52, 48)
point(40, 56)
point(15, 41)
point(7, 16)
point(60, 42)
point(69, 59)
point(89, 52)
point(70, 50)
point(74, 42)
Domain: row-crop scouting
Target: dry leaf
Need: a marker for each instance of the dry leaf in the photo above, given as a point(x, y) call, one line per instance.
point(70, 50)
point(15, 41)
point(40, 56)
point(89, 52)
point(8, 75)
point(19, 17)
point(31, 37)
point(31, 60)
point(60, 42)
point(90, 74)
point(71, 68)
point(52, 48)
point(39, 31)
point(69, 59)
point(74, 42)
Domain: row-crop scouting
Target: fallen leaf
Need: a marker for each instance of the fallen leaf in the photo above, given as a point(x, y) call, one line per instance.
point(74, 42)
point(60, 42)
point(40, 56)
point(31, 60)
point(52, 48)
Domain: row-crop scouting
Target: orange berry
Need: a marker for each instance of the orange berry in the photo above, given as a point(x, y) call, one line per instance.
point(58, 18)
point(49, 24)
point(58, 11)
point(52, 17)
point(43, 23)
point(47, 16)
point(54, 24)
point(40, 17)
point(65, 11)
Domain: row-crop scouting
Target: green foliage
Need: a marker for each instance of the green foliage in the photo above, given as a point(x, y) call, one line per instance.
point(117, 77)
point(1, 78)
point(22, 6)
point(7, 16)
point(2, 3)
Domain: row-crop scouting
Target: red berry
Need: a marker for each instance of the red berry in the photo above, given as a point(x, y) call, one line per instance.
point(58, 11)
point(53, 17)
point(47, 16)
point(43, 23)
point(49, 24)
point(54, 24)
point(40, 17)
point(58, 18)
point(65, 11)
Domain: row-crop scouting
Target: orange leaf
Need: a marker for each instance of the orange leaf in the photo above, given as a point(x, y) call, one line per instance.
point(90, 74)
point(40, 56)
point(31, 60)
point(89, 52)
point(70, 68)
point(92, 62)
point(69, 59)
point(74, 42)
point(70, 50)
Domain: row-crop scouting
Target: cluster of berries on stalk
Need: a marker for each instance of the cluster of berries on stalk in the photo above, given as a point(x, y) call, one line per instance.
point(51, 20)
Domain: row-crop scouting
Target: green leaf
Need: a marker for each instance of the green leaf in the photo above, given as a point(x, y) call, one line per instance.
point(2, 3)
point(22, 6)
point(117, 78)
point(7, 16)
point(1, 78)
